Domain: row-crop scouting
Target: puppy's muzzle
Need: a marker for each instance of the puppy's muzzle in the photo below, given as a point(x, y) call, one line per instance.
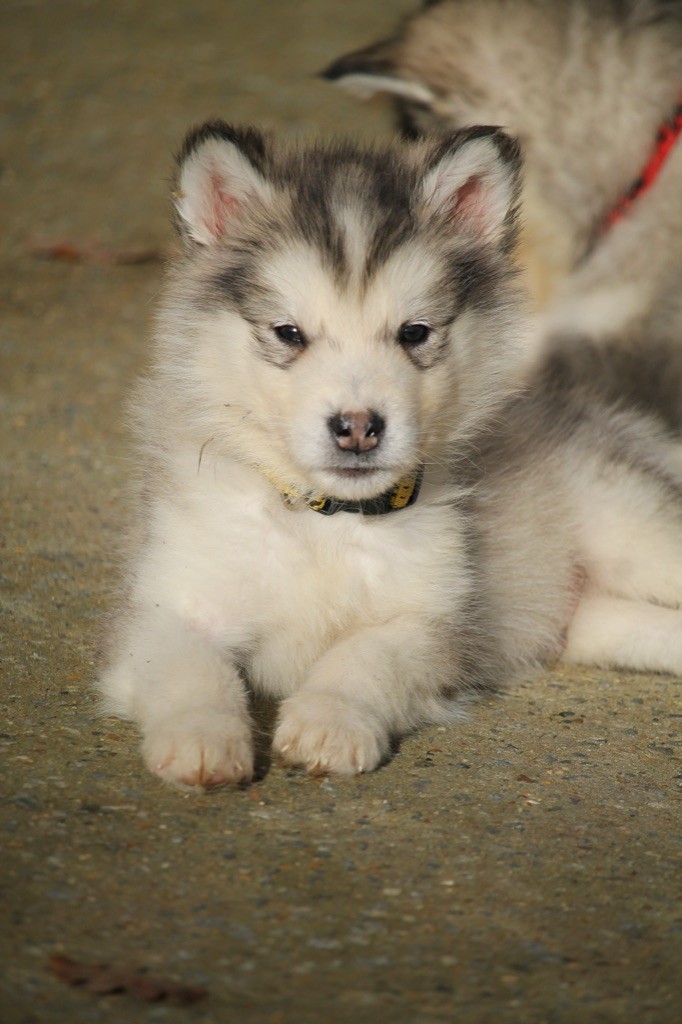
point(358, 432)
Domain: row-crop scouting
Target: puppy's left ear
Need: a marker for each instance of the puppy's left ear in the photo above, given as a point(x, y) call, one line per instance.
point(219, 177)
point(474, 182)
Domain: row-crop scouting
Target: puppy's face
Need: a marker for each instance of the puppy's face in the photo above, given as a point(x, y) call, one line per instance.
point(344, 301)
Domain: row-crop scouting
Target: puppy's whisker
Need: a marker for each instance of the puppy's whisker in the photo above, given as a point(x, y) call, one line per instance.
point(429, 459)
point(202, 450)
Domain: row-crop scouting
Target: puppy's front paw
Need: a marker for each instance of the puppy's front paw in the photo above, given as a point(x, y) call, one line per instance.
point(200, 749)
point(325, 733)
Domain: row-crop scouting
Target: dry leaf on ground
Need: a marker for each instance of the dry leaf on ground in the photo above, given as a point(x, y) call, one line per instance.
point(104, 979)
point(69, 250)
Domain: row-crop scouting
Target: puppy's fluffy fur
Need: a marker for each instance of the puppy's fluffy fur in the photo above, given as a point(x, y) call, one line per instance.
point(327, 285)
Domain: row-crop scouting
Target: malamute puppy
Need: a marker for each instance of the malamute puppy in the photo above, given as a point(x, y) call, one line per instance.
point(345, 502)
point(593, 90)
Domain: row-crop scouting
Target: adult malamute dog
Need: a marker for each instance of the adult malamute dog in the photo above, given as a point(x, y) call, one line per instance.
point(346, 505)
point(592, 88)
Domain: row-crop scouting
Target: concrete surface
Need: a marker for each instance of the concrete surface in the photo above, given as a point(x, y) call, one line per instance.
point(517, 868)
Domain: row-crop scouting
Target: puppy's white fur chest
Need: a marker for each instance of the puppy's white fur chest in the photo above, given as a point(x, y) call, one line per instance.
point(279, 587)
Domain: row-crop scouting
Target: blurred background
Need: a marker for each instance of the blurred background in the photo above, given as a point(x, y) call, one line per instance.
point(97, 95)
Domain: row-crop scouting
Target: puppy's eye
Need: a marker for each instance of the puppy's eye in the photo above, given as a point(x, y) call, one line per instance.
point(413, 334)
point(290, 334)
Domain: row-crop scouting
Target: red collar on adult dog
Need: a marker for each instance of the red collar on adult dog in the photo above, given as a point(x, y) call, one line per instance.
point(667, 136)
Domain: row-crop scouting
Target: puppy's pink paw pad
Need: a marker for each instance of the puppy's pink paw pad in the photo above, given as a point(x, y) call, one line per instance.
point(201, 750)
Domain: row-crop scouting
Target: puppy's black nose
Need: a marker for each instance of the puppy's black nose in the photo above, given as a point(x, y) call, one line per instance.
point(357, 431)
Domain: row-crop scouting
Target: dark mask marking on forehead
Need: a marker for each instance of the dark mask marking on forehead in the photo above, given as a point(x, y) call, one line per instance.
point(313, 221)
point(376, 190)
point(393, 220)
point(388, 236)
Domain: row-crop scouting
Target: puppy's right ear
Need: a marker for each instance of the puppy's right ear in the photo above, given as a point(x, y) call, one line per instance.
point(219, 175)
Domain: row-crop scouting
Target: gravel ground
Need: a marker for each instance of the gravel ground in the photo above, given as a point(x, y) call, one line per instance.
point(519, 867)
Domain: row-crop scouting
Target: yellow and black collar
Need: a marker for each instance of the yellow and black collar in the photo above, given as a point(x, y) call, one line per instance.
point(400, 496)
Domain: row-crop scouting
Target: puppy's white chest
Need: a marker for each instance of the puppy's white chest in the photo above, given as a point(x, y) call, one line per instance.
point(278, 588)
point(312, 582)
